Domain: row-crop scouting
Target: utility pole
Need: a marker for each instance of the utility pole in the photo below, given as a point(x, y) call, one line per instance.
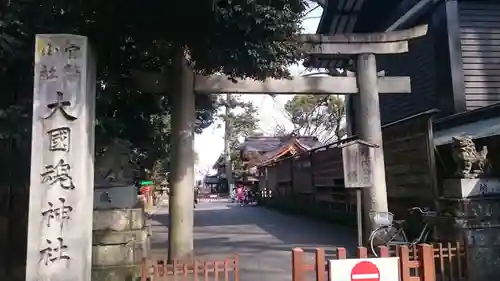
point(227, 139)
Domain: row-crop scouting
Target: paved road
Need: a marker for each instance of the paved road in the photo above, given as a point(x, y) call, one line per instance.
point(263, 238)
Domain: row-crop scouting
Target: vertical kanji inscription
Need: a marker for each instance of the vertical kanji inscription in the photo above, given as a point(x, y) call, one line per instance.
point(59, 139)
point(58, 211)
point(58, 173)
point(54, 251)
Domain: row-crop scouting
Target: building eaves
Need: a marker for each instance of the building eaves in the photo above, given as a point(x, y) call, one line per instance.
point(339, 16)
point(292, 145)
point(471, 116)
point(349, 16)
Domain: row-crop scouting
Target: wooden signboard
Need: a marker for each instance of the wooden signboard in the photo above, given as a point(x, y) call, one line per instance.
point(356, 157)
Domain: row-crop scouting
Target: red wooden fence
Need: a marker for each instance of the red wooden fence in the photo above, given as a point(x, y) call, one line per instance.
point(226, 269)
point(419, 263)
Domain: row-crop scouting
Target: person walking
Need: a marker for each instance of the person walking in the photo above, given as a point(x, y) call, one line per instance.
point(240, 194)
point(196, 195)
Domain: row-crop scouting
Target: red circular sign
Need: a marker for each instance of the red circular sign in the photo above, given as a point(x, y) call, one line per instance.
point(365, 271)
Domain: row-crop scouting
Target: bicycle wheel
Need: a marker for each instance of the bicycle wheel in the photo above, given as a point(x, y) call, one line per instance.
point(385, 236)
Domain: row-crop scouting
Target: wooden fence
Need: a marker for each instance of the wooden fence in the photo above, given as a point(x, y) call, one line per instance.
point(226, 269)
point(313, 182)
point(419, 263)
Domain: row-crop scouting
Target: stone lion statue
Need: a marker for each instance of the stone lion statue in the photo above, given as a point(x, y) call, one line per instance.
point(470, 162)
point(114, 165)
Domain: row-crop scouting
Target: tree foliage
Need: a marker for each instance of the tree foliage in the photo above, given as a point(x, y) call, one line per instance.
point(241, 38)
point(261, 38)
point(243, 122)
point(243, 118)
point(317, 115)
point(142, 34)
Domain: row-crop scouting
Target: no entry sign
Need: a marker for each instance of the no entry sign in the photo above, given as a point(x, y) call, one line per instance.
point(378, 269)
point(365, 271)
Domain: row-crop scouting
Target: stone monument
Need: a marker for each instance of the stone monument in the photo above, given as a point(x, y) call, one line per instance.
point(62, 160)
point(120, 235)
point(471, 203)
point(114, 176)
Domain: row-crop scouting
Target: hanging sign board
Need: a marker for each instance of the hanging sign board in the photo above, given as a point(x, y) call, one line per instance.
point(357, 157)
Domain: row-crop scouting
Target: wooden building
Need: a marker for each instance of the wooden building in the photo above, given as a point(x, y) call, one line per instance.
point(313, 181)
point(453, 68)
point(214, 183)
point(258, 151)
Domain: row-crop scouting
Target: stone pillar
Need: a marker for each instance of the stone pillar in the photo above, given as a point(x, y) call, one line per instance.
point(375, 198)
point(120, 238)
point(182, 162)
point(62, 160)
point(472, 207)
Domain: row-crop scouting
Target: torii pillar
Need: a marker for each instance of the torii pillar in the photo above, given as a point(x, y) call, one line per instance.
point(365, 47)
point(177, 82)
point(375, 198)
point(181, 198)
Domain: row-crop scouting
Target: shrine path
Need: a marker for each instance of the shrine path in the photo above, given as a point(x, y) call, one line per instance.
point(263, 238)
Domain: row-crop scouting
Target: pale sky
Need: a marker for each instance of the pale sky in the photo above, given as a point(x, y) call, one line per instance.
point(210, 143)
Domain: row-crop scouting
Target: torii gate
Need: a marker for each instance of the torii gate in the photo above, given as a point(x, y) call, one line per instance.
point(367, 84)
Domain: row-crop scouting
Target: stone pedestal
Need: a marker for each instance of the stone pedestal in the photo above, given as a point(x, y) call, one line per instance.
point(120, 237)
point(464, 188)
point(110, 197)
point(473, 206)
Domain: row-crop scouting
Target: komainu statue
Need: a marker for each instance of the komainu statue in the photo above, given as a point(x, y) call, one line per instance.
point(114, 165)
point(470, 162)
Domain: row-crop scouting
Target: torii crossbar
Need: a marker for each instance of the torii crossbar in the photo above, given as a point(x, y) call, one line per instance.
point(330, 45)
point(313, 44)
point(297, 85)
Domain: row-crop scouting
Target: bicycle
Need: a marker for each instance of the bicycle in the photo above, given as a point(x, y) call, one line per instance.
point(391, 232)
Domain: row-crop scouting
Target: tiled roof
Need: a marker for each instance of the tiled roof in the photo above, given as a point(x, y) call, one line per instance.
point(267, 144)
point(261, 144)
point(286, 145)
point(310, 142)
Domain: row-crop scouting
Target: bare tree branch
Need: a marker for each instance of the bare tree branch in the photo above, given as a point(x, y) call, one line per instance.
point(319, 116)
